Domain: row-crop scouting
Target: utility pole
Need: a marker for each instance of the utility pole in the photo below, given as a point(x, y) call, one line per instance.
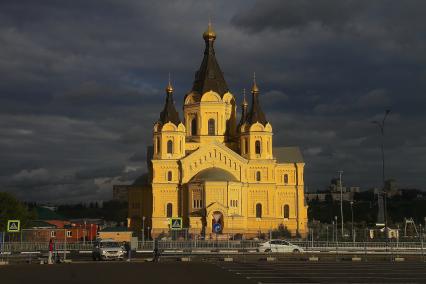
point(341, 198)
point(352, 213)
point(381, 125)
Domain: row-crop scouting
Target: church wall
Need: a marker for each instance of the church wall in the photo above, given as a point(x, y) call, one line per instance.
point(257, 177)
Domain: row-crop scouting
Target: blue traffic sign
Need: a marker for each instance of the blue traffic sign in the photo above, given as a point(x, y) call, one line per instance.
point(217, 227)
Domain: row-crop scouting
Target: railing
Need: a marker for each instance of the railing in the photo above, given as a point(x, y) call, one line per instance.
point(42, 246)
point(357, 246)
point(240, 245)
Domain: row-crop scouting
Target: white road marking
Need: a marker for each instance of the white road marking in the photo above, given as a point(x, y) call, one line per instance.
point(329, 277)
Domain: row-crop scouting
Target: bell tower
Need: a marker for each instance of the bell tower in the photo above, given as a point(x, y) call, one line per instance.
point(169, 131)
point(256, 131)
point(209, 108)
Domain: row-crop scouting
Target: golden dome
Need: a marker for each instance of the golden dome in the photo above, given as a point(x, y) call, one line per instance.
point(254, 89)
point(244, 98)
point(209, 34)
point(169, 88)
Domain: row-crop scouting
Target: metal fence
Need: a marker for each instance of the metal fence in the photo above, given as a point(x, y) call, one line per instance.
point(42, 246)
point(240, 245)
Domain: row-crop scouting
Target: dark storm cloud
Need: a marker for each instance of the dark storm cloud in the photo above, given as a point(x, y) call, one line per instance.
point(298, 14)
point(83, 83)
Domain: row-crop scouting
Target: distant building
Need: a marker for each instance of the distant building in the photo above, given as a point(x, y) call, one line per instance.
point(120, 193)
point(391, 188)
point(347, 192)
point(43, 231)
point(334, 192)
point(320, 196)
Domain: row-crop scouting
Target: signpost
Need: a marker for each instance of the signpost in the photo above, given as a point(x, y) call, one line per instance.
point(2, 244)
point(176, 223)
point(13, 226)
point(217, 228)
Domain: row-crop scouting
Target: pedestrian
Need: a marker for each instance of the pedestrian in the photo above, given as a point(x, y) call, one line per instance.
point(49, 261)
point(127, 248)
point(156, 252)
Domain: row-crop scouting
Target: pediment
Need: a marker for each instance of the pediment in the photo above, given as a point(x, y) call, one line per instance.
point(212, 155)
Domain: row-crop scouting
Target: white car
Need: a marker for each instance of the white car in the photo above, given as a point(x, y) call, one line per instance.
point(108, 249)
point(279, 246)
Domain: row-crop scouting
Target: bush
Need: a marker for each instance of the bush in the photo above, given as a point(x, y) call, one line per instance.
point(281, 232)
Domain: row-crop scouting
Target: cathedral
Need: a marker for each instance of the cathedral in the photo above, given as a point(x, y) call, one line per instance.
point(219, 174)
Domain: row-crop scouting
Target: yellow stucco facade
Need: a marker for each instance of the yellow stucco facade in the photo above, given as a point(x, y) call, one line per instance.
point(210, 169)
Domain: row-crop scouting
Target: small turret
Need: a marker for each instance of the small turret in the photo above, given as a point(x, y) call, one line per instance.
point(256, 114)
point(169, 113)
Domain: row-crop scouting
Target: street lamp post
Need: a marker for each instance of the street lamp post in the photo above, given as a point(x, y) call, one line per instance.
point(421, 241)
point(352, 213)
point(232, 225)
point(90, 233)
point(143, 230)
point(335, 219)
point(341, 199)
point(84, 233)
point(381, 125)
point(326, 229)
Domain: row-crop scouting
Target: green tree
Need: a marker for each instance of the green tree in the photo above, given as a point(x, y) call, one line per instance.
point(12, 209)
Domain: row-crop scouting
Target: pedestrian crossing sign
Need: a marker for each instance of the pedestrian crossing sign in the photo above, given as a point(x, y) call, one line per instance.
point(13, 226)
point(176, 223)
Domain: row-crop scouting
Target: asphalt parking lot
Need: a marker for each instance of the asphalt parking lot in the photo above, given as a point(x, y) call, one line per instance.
point(329, 272)
point(215, 272)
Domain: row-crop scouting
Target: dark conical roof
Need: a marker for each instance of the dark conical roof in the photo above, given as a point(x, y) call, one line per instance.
point(209, 76)
point(256, 114)
point(169, 113)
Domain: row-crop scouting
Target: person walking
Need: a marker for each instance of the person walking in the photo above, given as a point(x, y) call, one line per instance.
point(49, 261)
point(156, 252)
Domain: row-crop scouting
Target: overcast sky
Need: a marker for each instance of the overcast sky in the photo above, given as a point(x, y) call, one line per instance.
point(82, 82)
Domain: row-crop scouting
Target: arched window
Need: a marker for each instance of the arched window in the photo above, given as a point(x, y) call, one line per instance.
point(247, 146)
point(258, 210)
point(170, 147)
point(169, 175)
point(158, 145)
point(212, 127)
point(257, 146)
point(258, 176)
point(286, 211)
point(286, 179)
point(169, 210)
point(194, 126)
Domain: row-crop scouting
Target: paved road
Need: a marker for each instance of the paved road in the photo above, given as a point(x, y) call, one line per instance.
point(329, 272)
point(118, 273)
point(215, 272)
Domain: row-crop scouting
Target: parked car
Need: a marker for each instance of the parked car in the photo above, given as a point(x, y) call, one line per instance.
point(108, 249)
point(279, 246)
